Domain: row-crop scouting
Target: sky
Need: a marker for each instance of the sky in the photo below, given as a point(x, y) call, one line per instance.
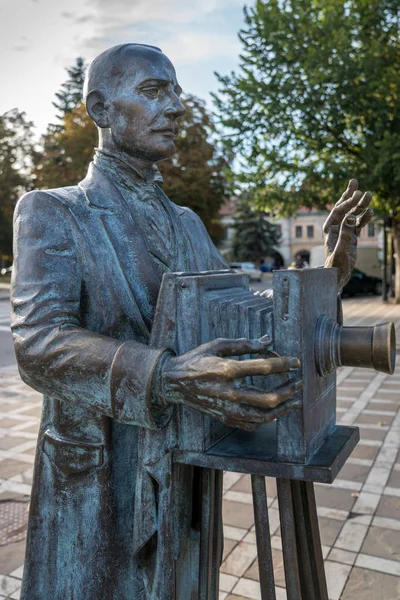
point(39, 39)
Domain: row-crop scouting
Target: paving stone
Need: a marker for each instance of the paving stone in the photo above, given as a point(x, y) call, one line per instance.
point(10, 467)
point(33, 412)
point(244, 485)
point(382, 395)
point(383, 406)
point(249, 588)
point(374, 419)
point(336, 577)
point(9, 442)
point(329, 530)
point(11, 557)
point(381, 542)
point(8, 423)
point(8, 585)
point(394, 479)
point(372, 434)
point(352, 384)
point(240, 559)
point(365, 452)
point(228, 547)
point(389, 507)
point(351, 536)
point(364, 584)
point(227, 582)
point(357, 473)
point(279, 571)
point(32, 428)
point(326, 495)
point(237, 514)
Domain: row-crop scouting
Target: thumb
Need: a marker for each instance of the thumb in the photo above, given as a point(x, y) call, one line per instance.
point(347, 230)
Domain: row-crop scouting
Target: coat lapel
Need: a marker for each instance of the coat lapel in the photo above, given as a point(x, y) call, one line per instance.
point(133, 269)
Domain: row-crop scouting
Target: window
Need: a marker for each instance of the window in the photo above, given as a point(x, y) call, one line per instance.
point(299, 231)
point(371, 229)
point(310, 231)
point(278, 229)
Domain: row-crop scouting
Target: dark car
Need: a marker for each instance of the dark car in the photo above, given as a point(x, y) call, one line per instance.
point(360, 283)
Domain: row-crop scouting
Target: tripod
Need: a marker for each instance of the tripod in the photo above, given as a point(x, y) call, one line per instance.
point(301, 544)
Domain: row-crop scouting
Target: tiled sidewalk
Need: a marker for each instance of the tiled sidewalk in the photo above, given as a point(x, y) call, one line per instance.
point(359, 514)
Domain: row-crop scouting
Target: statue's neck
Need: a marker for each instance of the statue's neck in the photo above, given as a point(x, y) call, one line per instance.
point(123, 172)
point(142, 167)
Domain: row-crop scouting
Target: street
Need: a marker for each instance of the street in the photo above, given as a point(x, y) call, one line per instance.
point(359, 514)
point(7, 356)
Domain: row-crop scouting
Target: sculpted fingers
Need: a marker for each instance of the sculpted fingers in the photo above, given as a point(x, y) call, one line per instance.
point(264, 366)
point(364, 219)
point(258, 398)
point(346, 233)
point(285, 407)
point(225, 347)
point(340, 210)
point(352, 186)
point(362, 204)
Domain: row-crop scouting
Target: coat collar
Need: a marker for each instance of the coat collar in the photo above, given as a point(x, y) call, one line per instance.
point(101, 193)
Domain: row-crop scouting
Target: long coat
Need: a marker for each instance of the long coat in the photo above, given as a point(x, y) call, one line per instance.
point(83, 300)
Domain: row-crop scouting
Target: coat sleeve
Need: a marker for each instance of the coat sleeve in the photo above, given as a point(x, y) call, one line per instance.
point(55, 355)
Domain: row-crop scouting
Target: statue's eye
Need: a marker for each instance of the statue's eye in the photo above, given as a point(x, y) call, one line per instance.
point(152, 92)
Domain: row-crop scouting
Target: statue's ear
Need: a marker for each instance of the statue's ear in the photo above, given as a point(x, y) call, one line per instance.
point(97, 109)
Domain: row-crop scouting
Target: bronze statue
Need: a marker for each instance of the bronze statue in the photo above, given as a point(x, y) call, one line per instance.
point(89, 261)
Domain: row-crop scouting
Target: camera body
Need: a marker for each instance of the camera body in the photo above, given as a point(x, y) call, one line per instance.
point(301, 318)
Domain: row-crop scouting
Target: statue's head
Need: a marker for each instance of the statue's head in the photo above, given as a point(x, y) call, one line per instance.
point(132, 95)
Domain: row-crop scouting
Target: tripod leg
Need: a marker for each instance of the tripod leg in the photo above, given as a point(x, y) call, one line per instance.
point(218, 535)
point(312, 572)
point(304, 565)
point(206, 533)
point(289, 546)
point(263, 537)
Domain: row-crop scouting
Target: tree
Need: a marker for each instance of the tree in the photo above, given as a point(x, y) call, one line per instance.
point(315, 101)
point(15, 155)
point(70, 94)
point(196, 176)
point(255, 237)
point(66, 151)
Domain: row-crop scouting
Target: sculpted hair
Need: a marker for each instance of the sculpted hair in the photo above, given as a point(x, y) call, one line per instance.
point(110, 65)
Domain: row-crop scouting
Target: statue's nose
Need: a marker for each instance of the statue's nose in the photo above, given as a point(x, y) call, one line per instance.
point(175, 109)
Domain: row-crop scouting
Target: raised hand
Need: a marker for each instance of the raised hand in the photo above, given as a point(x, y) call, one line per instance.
point(342, 227)
point(206, 380)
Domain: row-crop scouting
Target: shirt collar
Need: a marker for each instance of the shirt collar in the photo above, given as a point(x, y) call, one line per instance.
point(123, 173)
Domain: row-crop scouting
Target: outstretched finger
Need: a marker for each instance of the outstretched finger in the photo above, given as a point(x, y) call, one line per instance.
point(285, 407)
point(346, 233)
point(258, 398)
point(225, 347)
point(364, 219)
point(339, 211)
point(264, 366)
point(362, 204)
point(352, 186)
point(251, 419)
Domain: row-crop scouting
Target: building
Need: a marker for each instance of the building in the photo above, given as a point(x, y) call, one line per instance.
point(299, 233)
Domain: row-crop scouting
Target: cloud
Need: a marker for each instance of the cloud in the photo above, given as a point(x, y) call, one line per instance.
point(83, 19)
point(21, 48)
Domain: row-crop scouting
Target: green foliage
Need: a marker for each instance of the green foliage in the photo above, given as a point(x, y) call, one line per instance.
point(255, 237)
point(70, 94)
point(66, 151)
point(315, 101)
point(15, 152)
point(196, 176)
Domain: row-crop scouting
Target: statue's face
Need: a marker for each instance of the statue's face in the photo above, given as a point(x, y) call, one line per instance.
point(144, 106)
